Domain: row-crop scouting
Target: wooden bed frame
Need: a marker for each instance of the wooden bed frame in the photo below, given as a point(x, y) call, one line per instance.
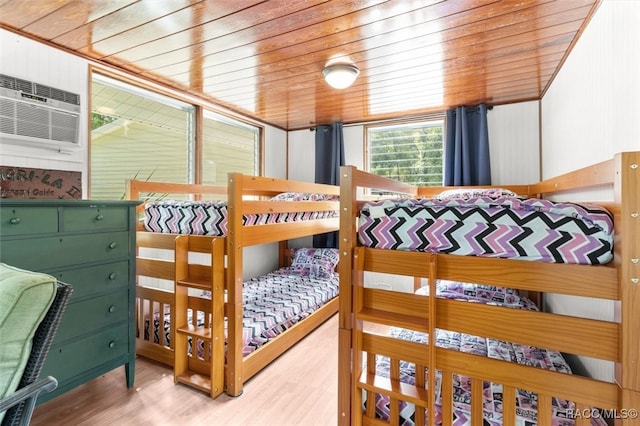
point(245, 195)
point(617, 341)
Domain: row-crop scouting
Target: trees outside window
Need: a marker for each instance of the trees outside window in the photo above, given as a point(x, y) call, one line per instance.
point(407, 152)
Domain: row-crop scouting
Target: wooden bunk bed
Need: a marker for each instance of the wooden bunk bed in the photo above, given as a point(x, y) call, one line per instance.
point(292, 210)
point(366, 314)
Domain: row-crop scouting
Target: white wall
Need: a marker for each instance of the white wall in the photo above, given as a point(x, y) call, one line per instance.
point(592, 109)
point(302, 155)
point(591, 113)
point(26, 59)
point(514, 139)
point(275, 160)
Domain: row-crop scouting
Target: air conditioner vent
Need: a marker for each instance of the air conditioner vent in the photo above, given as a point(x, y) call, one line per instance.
point(57, 94)
point(14, 83)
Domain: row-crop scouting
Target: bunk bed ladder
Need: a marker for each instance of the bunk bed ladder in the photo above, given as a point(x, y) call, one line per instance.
point(202, 365)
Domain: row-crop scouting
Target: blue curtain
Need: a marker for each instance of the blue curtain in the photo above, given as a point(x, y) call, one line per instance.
point(467, 147)
point(329, 158)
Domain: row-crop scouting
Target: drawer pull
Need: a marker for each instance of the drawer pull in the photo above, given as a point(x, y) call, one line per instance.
point(112, 308)
point(100, 217)
point(112, 276)
point(112, 344)
point(15, 220)
point(113, 245)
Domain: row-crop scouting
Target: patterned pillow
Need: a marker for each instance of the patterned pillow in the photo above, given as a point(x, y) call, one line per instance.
point(304, 196)
point(481, 292)
point(467, 193)
point(314, 262)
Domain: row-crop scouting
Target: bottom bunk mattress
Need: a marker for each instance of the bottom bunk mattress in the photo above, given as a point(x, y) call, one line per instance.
point(526, 402)
point(272, 303)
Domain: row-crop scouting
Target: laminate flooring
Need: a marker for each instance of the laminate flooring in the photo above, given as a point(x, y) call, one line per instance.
point(298, 388)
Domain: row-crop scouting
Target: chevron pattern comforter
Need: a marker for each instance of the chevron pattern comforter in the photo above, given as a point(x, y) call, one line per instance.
point(526, 402)
point(210, 217)
point(272, 303)
point(504, 226)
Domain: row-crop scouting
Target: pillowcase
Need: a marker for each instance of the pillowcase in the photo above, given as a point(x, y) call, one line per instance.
point(314, 262)
point(467, 193)
point(304, 196)
point(481, 292)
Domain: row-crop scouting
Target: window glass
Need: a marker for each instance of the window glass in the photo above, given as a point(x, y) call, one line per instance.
point(139, 134)
point(229, 146)
point(407, 152)
point(136, 134)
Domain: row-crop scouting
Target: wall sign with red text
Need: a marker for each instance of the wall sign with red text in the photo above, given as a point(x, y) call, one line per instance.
point(26, 182)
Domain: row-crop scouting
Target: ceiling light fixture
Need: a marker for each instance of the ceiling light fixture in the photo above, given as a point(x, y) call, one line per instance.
point(340, 76)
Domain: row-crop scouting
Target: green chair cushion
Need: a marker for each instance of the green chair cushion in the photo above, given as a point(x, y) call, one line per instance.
point(25, 298)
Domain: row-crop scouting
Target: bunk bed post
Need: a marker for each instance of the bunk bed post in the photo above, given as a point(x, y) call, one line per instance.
point(234, 286)
point(346, 246)
point(431, 379)
point(283, 258)
point(356, 332)
point(217, 359)
point(347, 241)
point(627, 253)
point(132, 192)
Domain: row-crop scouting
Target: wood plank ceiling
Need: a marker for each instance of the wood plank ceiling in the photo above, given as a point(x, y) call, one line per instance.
point(264, 59)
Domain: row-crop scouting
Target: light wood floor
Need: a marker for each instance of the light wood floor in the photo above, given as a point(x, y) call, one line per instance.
point(299, 388)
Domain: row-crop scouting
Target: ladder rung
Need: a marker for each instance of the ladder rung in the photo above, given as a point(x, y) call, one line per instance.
point(199, 332)
point(196, 283)
point(394, 388)
point(198, 381)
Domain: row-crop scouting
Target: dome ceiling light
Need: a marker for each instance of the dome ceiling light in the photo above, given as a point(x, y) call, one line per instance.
point(340, 76)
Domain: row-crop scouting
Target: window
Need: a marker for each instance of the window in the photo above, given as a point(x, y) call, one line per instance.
point(140, 134)
point(407, 152)
point(229, 146)
point(136, 134)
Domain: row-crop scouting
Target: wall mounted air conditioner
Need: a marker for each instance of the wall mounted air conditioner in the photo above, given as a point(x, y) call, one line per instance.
point(38, 115)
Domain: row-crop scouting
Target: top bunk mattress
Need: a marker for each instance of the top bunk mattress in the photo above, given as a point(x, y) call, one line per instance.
point(491, 224)
point(210, 217)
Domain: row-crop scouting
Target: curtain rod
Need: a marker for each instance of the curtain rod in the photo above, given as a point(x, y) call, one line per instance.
point(413, 117)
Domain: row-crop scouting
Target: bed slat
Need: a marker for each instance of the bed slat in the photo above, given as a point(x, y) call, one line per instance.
point(569, 387)
point(578, 280)
point(579, 336)
point(155, 268)
point(508, 405)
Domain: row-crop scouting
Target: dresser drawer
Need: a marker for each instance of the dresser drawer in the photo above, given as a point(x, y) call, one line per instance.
point(93, 314)
point(91, 245)
point(77, 357)
point(92, 280)
point(94, 218)
point(52, 252)
point(16, 220)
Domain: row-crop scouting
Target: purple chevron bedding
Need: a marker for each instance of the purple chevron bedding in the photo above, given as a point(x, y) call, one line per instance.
point(272, 303)
point(526, 402)
point(210, 217)
point(491, 225)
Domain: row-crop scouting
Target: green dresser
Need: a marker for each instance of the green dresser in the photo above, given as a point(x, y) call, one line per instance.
point(90, 245)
